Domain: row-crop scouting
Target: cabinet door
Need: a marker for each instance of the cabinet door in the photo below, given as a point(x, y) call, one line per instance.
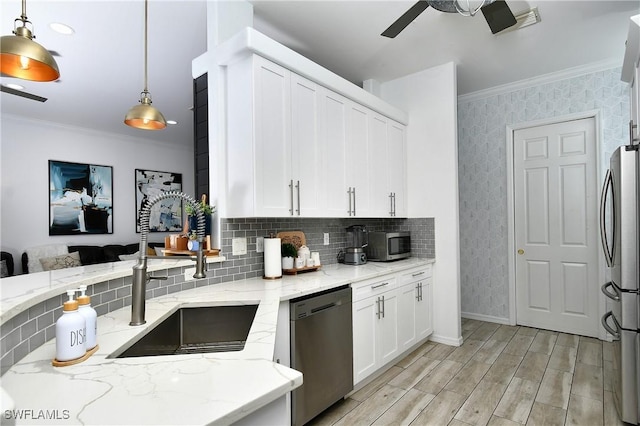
point(379, 167)
point(424, 322)
point(272, 138)
point(365, 338)
point(388, 328)
point(305, 147)
point(358, 172)
point(397, 170)
point(334, 135)
point(407, 306)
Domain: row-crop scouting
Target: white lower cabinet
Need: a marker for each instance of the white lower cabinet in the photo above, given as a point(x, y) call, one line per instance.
point(375, 330)
point(390, 315)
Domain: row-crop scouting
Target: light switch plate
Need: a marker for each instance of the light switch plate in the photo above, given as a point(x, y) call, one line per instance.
point(326, 238)
point(259, 244)
point(238, 246)
point(188, 274)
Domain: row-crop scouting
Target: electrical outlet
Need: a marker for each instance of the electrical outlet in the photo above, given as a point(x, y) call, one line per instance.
point(326, 238)
point(259, 244)
point(188, 274)
point(238, 246)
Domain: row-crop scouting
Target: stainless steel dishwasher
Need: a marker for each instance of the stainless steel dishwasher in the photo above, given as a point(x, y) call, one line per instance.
point(322, 349)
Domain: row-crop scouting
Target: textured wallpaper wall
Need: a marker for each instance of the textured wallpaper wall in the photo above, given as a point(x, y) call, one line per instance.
point(482, 170)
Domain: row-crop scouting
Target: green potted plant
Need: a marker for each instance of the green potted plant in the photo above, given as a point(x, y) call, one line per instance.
point(289, 253)
point(207, 210)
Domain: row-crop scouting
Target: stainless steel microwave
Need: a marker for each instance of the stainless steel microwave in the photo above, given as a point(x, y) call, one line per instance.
point(387, 246)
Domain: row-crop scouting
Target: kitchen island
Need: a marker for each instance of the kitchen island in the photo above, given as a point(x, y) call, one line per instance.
point(219, 388)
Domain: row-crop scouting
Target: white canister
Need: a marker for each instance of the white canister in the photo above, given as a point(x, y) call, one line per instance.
point(304, 253)
point(300, 262)
point(316, 258)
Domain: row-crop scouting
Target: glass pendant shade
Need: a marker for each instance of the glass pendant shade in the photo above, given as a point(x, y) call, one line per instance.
point(145, 116)
point(24, 58)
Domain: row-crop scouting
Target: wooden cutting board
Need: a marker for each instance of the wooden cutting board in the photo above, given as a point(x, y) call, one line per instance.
point(296, 238)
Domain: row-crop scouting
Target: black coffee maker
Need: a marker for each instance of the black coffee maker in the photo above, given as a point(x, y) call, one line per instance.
point(357, 240)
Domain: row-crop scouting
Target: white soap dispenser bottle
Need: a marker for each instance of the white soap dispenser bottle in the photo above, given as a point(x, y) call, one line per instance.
point(70, 331)
point(90, 316)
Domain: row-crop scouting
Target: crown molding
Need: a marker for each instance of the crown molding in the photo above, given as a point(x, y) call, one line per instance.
point(541, 79)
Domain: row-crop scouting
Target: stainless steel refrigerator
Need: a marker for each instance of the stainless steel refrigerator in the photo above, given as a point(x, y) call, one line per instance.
point(620, 232)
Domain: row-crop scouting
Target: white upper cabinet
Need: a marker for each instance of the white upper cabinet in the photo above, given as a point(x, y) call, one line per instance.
point(296, 148)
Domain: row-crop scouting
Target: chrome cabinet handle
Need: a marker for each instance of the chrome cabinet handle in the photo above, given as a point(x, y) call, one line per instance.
point(605, 324)
point(349, 192)
point(608, 251)
point(373, 287)
point(298, 189)
point(613, 296)
point(418, 292)
point(391, 204)
point(417, 274)
point(378, 307)
point(354, 200)
point(291, 196)
point(383, 306)
point(631, 127)
point(394, 204)
point(421, 291)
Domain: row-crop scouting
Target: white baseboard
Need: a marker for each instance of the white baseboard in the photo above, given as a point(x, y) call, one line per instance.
point(487, 318)
point(446, 340)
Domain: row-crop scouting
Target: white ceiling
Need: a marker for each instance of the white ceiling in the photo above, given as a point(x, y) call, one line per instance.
point(102, 64)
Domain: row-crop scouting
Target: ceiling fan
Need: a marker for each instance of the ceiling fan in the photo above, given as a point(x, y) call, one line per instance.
point(496, 12)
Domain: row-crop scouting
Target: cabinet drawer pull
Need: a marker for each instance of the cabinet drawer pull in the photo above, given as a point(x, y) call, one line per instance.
point(373, 287)
point(417, 274)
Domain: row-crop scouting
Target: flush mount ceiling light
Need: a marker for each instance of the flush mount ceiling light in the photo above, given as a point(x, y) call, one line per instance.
point(145, 116)
point(24, 58)
point(469, 7)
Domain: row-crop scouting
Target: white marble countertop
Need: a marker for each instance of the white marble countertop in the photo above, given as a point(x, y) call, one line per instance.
point(20, 292)
point(218, 388)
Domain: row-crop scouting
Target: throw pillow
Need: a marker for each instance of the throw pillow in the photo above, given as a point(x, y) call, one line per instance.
point(34, 254)
point(4, 271)
point(133, 256)
point(61, 262)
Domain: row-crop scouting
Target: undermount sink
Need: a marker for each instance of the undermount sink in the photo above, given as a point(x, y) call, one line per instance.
point(195, 330)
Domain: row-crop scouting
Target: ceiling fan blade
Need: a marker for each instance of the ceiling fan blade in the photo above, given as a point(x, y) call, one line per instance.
point(407, 18)
point(498, 16)
point(22, 94)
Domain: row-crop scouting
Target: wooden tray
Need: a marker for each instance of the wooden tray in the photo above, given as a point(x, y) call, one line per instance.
point(295, 271)
point(84, 357)
point(171, 252)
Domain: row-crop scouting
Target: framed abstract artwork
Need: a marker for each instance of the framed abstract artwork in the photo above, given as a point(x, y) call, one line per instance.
point(80, 198)
point(166, 215)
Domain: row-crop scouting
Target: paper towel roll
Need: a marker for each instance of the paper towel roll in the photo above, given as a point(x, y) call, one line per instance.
point(272, 258)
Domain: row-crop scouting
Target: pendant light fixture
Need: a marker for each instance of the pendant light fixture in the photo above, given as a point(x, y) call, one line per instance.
point(145, 116)
point(24, 58)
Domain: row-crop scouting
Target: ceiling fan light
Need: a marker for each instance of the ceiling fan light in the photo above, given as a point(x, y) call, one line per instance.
point(25, 59)
point(469, 7)
point(144, 116)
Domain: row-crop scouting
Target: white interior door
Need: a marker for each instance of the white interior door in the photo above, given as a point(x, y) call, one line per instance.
point(556, 224)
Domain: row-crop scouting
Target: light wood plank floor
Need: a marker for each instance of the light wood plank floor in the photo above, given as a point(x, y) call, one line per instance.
point(501, 375)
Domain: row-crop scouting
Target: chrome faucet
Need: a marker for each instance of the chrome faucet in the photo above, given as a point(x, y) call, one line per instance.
point(140, 275)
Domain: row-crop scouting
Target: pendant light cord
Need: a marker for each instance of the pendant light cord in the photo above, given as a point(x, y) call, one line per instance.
point(146, 12)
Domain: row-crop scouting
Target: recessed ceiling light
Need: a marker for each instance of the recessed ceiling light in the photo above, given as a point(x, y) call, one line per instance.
point(172, 122)
point(13, 86)
point(61, 28)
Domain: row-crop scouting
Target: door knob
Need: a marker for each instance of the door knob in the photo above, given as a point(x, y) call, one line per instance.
point(520, 251)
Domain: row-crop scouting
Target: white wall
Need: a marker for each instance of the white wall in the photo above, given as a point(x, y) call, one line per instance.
point(27, 146)
point(430, 99)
